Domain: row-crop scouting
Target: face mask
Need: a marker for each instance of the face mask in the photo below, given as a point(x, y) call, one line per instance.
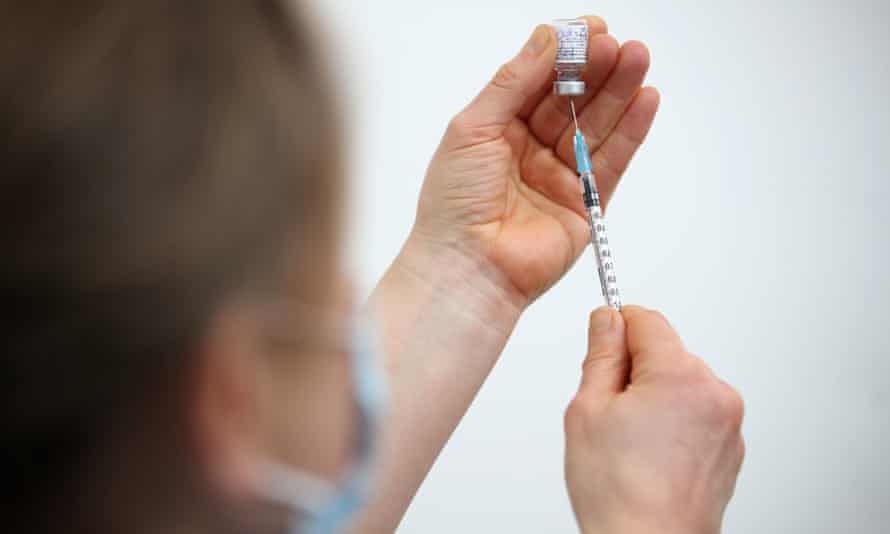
point(322, 506)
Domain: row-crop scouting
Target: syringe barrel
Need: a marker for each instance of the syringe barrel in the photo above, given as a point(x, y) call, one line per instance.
point(599, 238)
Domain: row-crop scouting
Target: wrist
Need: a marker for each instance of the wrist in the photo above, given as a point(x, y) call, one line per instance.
point(441, 290)
point(443, 318)
point(641, 526)
point(462, 274)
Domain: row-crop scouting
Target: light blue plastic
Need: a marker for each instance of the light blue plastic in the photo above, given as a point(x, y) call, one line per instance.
point(582, 156)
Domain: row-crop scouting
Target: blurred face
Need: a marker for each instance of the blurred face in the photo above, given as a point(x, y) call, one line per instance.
point(306, 404)
point(276, 390)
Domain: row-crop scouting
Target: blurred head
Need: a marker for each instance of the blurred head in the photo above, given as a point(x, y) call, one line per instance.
point(171, 259)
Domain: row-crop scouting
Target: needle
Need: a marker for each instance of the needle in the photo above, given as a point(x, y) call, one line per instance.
point(574, 117)
point(591, 197)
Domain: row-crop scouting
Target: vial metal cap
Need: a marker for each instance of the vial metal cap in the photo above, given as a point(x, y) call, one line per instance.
point(569, 87)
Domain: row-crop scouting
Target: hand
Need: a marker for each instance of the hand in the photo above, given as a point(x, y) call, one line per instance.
point(502, 187)
point(500, 219)
point(653, 439)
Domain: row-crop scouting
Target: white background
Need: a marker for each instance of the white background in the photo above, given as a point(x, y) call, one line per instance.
point(755, 218)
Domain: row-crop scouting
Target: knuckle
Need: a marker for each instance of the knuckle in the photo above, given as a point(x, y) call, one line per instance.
point(576, 415)
point(696, 369)
point(571, 418)
point(458, 126)
point(605, 165)
point(690, 371)
point(465, 130)
point(723, 406)
point(600, 361)
point(506, 77)
point(732, 405)
point(592, 359)
point(713, 401)
point(717, 400)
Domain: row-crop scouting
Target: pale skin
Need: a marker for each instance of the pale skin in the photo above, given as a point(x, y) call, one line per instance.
point(500, 207)
point(653, 439)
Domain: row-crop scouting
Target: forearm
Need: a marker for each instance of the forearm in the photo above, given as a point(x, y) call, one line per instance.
point(445, 316)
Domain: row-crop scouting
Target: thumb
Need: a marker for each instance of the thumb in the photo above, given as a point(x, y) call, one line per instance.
point(606, 367)
point(488, 115)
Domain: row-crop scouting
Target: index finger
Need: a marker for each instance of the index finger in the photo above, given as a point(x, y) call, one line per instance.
point(652, 343)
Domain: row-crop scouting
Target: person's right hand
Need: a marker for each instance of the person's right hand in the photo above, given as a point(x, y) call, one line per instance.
point(653, 440)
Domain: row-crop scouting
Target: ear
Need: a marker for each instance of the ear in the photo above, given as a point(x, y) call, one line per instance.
point(224, 403)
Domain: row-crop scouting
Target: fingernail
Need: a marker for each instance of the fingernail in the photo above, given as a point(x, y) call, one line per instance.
point(537, 43)
point(601, 320)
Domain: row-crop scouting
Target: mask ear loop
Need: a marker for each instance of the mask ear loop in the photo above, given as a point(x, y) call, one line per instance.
point(295, 489)
point(327, 506)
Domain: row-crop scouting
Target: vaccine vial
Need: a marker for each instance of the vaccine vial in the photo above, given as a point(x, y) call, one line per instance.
point(571, 56)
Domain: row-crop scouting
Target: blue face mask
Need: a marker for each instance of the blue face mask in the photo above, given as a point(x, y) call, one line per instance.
point(320, 506)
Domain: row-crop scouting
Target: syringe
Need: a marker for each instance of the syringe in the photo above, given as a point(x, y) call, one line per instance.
point(604, 264)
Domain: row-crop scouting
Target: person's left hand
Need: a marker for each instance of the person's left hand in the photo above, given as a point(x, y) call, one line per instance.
point(502, 188)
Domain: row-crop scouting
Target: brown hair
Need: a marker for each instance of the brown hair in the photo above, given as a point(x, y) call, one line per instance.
point(157, 156)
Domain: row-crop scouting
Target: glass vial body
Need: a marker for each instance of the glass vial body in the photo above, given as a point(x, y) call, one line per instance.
point(571, 56)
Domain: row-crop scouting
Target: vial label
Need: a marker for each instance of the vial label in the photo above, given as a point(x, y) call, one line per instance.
point(572, 43)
